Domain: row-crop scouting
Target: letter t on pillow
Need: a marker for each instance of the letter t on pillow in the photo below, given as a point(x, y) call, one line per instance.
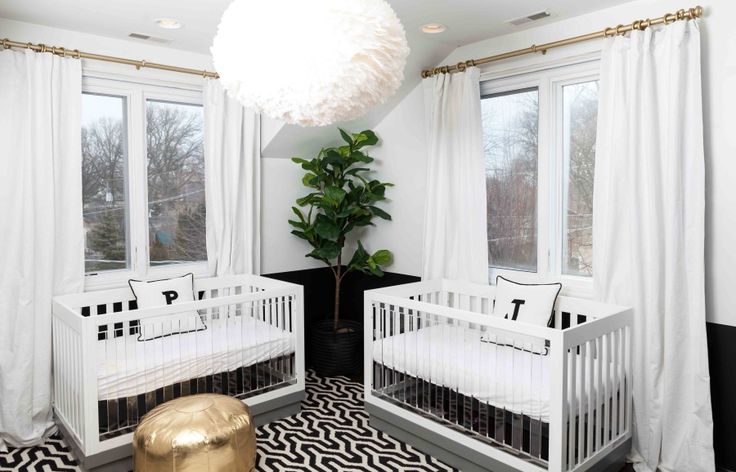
point(529, 303)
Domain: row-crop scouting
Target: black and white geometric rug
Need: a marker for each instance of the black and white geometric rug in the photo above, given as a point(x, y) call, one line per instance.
point(330, 434)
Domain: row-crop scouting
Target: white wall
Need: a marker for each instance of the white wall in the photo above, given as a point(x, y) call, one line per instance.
point(281, 185)
point(401, 160)
point(28, 32)
point(719, 97)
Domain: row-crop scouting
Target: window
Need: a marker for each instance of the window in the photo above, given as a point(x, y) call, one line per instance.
point(579, 119)
point(143, 181)
point(510, 121)
point(539, 133)
point(105, 182)
point(176, 210)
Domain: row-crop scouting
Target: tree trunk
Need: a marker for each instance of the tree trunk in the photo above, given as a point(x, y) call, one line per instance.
point(338, 281)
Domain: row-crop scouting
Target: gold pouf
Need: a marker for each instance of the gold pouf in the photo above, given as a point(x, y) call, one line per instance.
point(196, 433)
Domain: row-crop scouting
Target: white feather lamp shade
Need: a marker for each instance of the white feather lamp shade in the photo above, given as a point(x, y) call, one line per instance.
point(310, 62)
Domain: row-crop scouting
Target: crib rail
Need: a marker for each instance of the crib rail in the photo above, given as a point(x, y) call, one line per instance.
point(541, 398)
point(114, 362)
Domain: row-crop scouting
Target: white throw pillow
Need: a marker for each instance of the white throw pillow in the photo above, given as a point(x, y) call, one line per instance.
point(530, 303)
point(157, 293)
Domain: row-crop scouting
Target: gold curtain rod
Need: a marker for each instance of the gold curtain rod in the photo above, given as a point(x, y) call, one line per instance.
point(77, 54)
point(667, 18)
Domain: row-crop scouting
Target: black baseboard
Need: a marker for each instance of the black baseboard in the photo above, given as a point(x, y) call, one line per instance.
point(722, 356)
point(319, 292)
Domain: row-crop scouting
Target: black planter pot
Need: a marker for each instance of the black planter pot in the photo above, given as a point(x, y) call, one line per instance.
point(337, 353)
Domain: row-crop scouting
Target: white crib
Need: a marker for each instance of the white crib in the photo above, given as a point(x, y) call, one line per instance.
point(485, 393)
point(248, 343)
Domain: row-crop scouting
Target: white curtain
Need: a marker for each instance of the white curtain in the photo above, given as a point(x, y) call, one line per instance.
point(42, 237)
point(232, 183)
point(455, 233)
point(648, 230)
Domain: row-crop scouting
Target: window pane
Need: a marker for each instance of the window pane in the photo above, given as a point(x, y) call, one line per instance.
point(510, 123)
point(176, 208)
point(104, 182)
point(580, 110)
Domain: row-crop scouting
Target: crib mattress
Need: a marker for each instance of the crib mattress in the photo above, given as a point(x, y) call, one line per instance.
point(128, 367)
point(454, 357)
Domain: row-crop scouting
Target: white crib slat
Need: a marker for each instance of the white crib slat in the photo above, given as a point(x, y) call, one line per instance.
point(591, 396)
point(616, 386)
point(627, 379)
point(581, 403)
point(622, 384)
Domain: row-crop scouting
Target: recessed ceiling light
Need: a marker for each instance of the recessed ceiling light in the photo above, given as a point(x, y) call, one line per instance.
point(168, 23)
point(433, 28)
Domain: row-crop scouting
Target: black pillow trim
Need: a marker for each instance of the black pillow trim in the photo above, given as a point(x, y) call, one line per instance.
point(140, 326)
point(550, 321)
point(536, 353)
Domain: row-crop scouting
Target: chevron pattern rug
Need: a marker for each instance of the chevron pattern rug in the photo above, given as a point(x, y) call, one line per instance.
point(330, 434)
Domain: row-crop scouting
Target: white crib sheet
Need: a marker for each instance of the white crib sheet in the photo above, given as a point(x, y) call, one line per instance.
point(127, 367)
point(454, 357)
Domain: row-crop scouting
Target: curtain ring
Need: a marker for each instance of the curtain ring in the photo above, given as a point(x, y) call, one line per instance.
point(471, 62)
point(461, 66)
point(637, 25)
point(680, 14)
point(5, 43)
point(668, 18)
point(142, 63)
point(609, 32)
point(43, 47)
point(77, 55)
point(618, 30)
point(63, 51)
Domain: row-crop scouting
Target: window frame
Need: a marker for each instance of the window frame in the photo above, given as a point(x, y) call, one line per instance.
point(549, 83)
point(136, 94)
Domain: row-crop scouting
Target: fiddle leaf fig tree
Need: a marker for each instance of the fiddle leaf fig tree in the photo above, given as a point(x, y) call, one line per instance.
point(342, 198)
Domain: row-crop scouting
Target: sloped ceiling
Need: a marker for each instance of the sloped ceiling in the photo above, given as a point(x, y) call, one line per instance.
point(467, 21)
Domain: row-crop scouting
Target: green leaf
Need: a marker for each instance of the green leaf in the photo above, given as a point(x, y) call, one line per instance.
point(346, 137)
point(334, 195)
point(300, 234)
point(382, 257)
point(327, 229)
point(359, 156)
point(359, 259)
point(365, 138)
point(328, 250)
point(298, 213)
point(297, 224)
point(333, 158)
point(355, 170)
point(309, 180)
point(299, 160)
point(380, 213)
point(310, 199)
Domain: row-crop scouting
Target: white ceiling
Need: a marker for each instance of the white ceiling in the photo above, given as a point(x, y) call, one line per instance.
point(467, 21)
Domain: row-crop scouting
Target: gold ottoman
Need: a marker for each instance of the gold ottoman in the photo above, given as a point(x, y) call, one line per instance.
point(196, 433)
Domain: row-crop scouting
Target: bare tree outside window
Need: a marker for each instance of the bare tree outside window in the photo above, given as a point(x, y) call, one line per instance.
point(176, 198)
point(510, 140)
point(104, 182)
point(175, 177)
point(580, 111)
